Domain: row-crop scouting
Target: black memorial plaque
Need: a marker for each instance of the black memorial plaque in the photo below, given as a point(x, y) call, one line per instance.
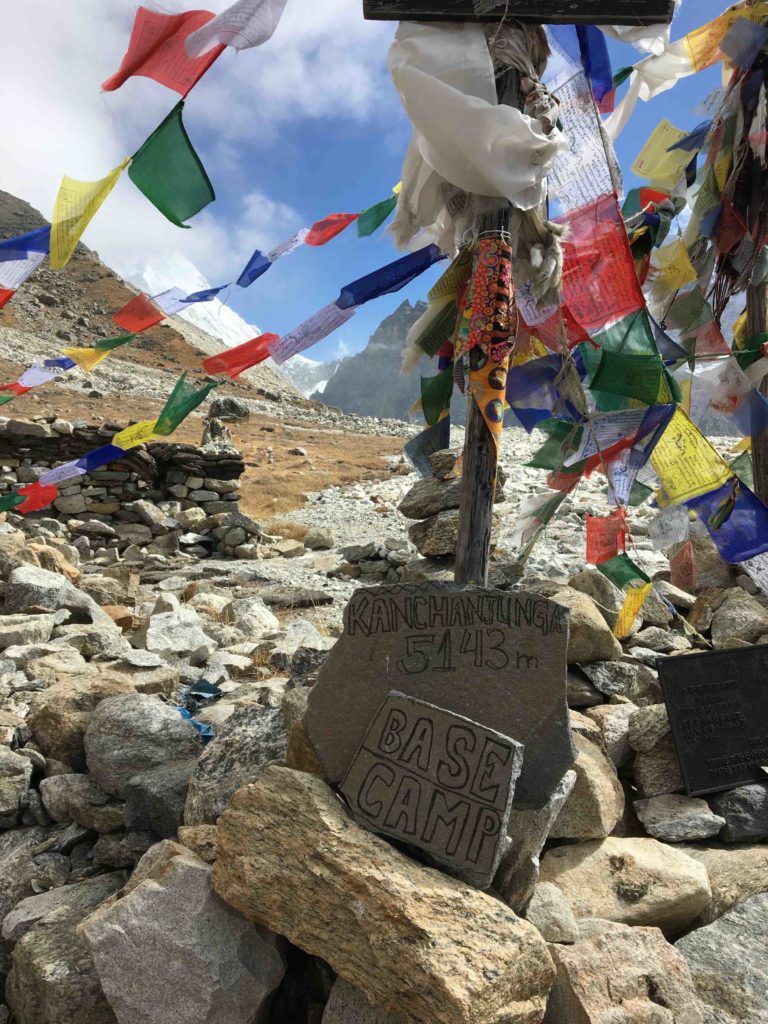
point(589, 12)
point(718, 710)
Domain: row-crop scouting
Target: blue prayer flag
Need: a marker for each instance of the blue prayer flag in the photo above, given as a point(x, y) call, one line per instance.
point(389, 279)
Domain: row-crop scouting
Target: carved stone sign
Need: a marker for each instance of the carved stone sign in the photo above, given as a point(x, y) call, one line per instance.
point(718, 710)
point(495, 657)
point(436, 781)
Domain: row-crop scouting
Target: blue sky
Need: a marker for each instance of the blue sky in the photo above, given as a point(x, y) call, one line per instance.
point(307, 125)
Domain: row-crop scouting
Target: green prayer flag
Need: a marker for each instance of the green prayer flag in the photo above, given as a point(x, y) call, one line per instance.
point(375, 216)
point(184, 398)
point(9, 501)
point(7, 396)
point(744, 470)
point(564, 438)
point(750, 353)
point(108, 344)
point(621, 570)
point(439, 330)
point(633, 376)
point(436, 394)
point(690, 311)
point(621, 76)
point(169, 172)
point(639, 494)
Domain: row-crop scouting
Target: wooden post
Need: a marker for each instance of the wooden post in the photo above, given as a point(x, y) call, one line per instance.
point(473, 547)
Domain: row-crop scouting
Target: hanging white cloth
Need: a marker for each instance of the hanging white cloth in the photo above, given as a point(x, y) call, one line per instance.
point(245, 24)
point(647, 38)
point(651, 77)
point(462, 136)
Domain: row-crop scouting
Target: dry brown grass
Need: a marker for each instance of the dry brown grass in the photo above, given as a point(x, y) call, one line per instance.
point(287, 528)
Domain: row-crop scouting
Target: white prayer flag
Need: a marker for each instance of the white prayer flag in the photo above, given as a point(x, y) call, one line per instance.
point(245, 24)
point(310, 332)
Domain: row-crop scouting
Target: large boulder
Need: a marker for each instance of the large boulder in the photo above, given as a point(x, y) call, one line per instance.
point(155, 797)
point(624, 976)
point(417, 943)
point(590, 637)
point(171, 950)
point(15, 776)
point(132, 733)
point(735, 874)
point(26, 629)
point(53, 980)
point(739, 616)
point(31, 589)
point(347, 1005)
point(78, 798)
point(729, 966)
point(249, 738)
point(673, 818)
point(176, 633)
point(745, 810)
point(597, 801)
point(633, 881)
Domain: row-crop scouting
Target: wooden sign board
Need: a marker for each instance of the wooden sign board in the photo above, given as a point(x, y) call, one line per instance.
point(718, 710)
point(556, 12)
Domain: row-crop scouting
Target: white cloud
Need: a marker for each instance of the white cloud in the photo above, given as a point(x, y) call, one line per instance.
point(342, 350)
point(323, 61)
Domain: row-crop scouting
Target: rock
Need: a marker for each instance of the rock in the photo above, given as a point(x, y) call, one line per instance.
point(85, 895)
point(216, 606)
point(25, 629)
point(176, 634)
point(437, 536)
point(735, 874)
point(613, 722)
point(519, 691)
point(657, 771)
point(122, 849)
point(679, 598)
point(172, 951)
point(200, 839)
point(625, 678)
point(647, 726)
point(549, 912)
point(739, 616)
point(250, 738)
point(529, 829)
point(30, 588)
point(288, 548)
point(631, 976)
point(154, 798)
point(229, 408)
point(728, 963)
point(77, 798)
point(745, 810)
point(15, 776)
point(319, 539)
point(661, 641)
point(53, 979)
point(677, 819)
point(106, 590)
point(347, 1005)
point(580, 692)
point(597, 801)
point(437, 782)
point(59, 715)
point(589, 636)
point(432, 495)
point(254, 618)
point(655, 611)
point(132, 733)
point(415, 942)
point(152, 516)
point(711, 569)
point(605, 594)
point(634, 881)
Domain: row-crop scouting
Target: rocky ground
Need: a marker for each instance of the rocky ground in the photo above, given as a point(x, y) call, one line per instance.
point(141, 691)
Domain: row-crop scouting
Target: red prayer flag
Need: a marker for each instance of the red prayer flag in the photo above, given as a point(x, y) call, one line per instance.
point(156, 50)
point(550, 331)
point(15, 387)
point(605, 537)
point(599, 279)
point(139, 314)
point(38, 496)
point(324, 230)
point(682, 567)
point(243, 357)
point(6, 296)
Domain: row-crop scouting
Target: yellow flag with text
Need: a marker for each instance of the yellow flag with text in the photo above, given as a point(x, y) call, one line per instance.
point(139, 433)
point(76, 205)
point(86, 358)
point(634, 599)
point(685, 461)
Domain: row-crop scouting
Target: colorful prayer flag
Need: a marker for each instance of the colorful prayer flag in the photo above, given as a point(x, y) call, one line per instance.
point(183, 399)
point(137, 434)
point(390, 278)
point(318, 326)
point(436, 394)
point(257, 265)
point(157, 50)
point(622, 571)
point(76, 204)
point(245, 24)
point(374, 216)
point(634, 599)
point(19, 258)
point(234, 361)
point(682, 567)
point(170, 173)
point(37, 496)
point(139, 314)
point(605, 536)
point(100, 457)
point(659, 161)
point(324, 230)
point(685, 461)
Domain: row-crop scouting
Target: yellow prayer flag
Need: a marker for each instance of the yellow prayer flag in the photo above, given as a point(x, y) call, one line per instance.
point(86, 358)
point(722, 170)
point(655, 163)
point(674, 267)
point(685, 390)
point(398, 188)
point(744, 445)
point(75, 206)
point(634, 599)
point(703, 43)
point(137, 434)
point(685, 461)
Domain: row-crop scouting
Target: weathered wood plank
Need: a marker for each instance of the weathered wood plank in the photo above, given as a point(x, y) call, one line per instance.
point(585, 12)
